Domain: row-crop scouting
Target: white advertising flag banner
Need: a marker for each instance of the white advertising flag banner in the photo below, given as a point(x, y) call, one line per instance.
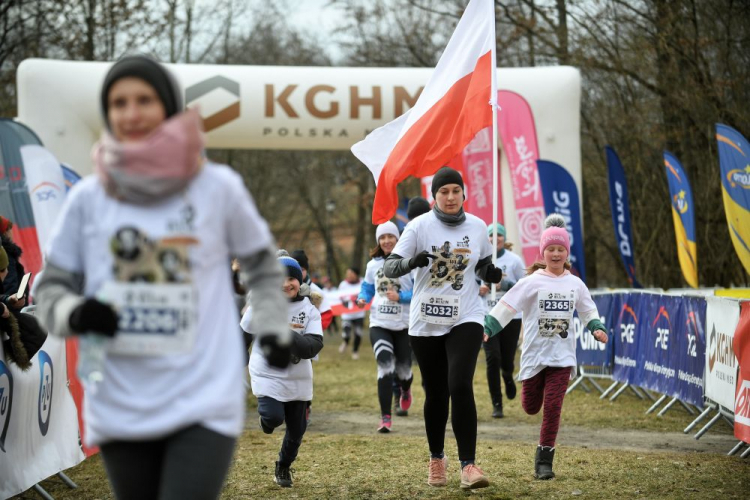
point(722, 316)
point(46, 183)
point(38, 420)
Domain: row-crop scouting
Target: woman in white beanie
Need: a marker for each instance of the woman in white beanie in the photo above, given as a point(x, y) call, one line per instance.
point(389, 323)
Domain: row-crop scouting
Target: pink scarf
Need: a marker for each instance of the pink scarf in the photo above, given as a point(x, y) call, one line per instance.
point(160, 165)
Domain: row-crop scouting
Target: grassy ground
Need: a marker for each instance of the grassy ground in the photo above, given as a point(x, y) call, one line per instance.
point(364, 464)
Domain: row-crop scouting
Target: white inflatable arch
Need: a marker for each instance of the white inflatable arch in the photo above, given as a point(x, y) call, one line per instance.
point(288, 107)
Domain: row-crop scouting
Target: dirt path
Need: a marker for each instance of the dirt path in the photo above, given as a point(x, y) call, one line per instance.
point(506, 430)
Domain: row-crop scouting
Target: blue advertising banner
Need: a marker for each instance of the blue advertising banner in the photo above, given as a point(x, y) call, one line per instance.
point(561, 195)
point(658, 345)
point(589, 351)
point(618, 199)
point(734, 161)
point(683, 215)
point(691, 350)
point(625, 335)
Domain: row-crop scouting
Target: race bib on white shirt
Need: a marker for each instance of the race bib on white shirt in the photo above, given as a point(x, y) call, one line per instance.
point(389, 311)
point(440, 309)
point(555, 312)
point(154, 319)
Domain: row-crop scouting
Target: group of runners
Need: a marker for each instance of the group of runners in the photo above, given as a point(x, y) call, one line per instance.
point(151, 235)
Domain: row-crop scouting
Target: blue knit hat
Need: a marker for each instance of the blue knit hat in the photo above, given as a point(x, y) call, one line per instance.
point(293, 269)
point(497, 226)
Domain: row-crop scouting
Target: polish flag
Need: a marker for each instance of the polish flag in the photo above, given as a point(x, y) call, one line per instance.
point(454, 106)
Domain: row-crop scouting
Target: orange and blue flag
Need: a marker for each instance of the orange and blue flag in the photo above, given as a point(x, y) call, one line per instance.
point(683, 215)
point(734, 160)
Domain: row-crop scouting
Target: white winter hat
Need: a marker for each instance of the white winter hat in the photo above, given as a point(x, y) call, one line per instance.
point(386, 228)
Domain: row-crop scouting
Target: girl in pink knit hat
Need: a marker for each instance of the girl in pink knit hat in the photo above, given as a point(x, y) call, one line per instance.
point(547, 297)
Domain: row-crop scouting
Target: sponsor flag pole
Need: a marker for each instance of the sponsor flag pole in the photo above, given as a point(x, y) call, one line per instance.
point(495, 169)
point(734, 161)
point(618, 199)
point(683, 215)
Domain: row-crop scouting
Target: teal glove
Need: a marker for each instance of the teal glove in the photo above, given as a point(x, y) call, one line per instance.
point(595, 325)
point(491, 325)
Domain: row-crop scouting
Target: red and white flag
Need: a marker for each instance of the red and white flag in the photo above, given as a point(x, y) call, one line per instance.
point(456, 103)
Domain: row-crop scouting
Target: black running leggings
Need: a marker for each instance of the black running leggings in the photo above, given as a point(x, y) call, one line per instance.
point(447, 365)
point(500, 353)
point(191, 463)
point(294, 413)
point(393, 356)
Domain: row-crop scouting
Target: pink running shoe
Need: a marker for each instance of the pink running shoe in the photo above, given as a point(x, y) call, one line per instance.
point(473, 477)
point(405, 399)
point(385, 424)
point(436, 471)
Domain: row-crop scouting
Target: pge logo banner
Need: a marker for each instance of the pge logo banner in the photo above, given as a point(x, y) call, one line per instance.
point(742, 352)
point(657, 349)
point(6, 402)
point(219, 96)
point(46, 382)
point(589, 351)
point(722, 316)
point(690, 349)
point(734, 160)
point(625, 335)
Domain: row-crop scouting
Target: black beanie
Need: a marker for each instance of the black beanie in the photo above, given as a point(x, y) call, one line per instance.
point(417, 206)
point(446, 175)
point(152, 72)
point(301, 257)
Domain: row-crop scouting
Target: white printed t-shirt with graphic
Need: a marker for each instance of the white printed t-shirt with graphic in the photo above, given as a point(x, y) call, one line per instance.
point(446, 293)
point(513, 270)
point(547, 303)
point(347, 293)
point(295, 382)
point(185, 240)
point(383, 312)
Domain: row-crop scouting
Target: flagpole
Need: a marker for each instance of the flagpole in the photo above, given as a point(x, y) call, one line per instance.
point(495, 173)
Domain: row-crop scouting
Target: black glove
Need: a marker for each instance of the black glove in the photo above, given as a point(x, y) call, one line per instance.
point(493, 274)
point(276, 355)
point(422, 259)
point(94, 317)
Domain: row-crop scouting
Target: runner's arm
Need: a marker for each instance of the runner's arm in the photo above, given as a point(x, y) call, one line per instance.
point(57, 292)
point(261, 274)
point(306, 346)
point(396, 266)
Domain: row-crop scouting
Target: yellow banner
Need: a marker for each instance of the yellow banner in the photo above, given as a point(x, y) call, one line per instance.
point(686, 251)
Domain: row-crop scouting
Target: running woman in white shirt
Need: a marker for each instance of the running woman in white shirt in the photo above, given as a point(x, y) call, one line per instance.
point(500, 350)
point(445, 320)
point(547, 299)
point(389, 323)
point(283, 393)
point(128, 253)
point(352, 323)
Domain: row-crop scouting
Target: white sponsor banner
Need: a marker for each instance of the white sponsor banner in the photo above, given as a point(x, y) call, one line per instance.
point(38, 420)
point(46, 184)
point(722, 316)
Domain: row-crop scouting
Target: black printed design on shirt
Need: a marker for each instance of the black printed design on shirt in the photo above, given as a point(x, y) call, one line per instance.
point(450, 264)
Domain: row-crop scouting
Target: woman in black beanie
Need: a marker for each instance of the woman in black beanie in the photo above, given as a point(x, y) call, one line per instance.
point(124, 263)
point(446, 318)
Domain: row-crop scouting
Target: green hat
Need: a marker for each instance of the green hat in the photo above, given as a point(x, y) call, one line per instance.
point(499, 227)
point(3, 259)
